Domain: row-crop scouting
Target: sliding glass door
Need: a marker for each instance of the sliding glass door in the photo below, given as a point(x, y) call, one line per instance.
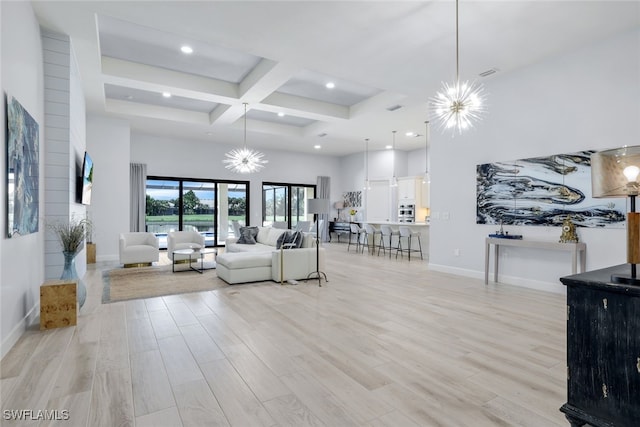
point(284, 205)
point(198, 208)
point(208, 206)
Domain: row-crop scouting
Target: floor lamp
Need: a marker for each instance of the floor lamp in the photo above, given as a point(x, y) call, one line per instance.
point(614, 173)
point(318, 206)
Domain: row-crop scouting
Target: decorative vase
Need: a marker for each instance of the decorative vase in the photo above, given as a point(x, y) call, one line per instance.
point(69, 273)
point(353, 218)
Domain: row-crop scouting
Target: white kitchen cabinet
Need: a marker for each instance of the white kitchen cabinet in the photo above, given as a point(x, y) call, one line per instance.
point(411, 191)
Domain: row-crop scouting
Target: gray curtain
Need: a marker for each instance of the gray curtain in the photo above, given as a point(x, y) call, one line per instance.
point(323, 191)
point(138, 183)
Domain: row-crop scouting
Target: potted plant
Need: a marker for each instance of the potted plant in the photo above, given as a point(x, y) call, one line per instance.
point(71, 235)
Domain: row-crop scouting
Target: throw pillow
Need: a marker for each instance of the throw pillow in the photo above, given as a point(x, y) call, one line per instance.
point(296, 238)
point(248, 235)
point(281, 240)
point(290, 237)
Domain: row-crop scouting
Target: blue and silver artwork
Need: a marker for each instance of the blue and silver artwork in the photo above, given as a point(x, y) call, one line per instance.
point(23, 170)
point(543, 191)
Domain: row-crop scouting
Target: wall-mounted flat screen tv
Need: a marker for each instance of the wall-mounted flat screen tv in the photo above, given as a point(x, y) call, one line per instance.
point(87, 179)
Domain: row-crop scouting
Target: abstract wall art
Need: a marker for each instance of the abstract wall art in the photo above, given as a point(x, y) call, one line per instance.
point(22, 170)
point(352, 199)
point(543, 191)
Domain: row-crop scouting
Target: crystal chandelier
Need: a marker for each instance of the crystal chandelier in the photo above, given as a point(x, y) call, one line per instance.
point(244, 160)
point(458, 105)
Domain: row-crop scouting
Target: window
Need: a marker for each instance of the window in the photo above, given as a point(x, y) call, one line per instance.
point(207, 206)
point(286, 203)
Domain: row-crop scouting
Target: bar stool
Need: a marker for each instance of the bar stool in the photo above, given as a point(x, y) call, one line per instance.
point(408, 234)
point(358, 232)
point(386, 231)
point(373, 232)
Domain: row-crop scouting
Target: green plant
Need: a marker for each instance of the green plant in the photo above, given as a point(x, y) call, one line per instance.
point(71, 234)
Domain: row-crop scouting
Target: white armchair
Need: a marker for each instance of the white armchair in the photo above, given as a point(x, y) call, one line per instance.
point(138, 248)
point(183, 240)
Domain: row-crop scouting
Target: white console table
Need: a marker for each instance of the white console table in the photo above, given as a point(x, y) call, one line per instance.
point(574, 248)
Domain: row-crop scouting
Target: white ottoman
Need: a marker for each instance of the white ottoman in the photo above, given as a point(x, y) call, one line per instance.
point(242, 267)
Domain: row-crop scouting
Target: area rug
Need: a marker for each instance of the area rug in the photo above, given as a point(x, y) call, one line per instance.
point(121, 284)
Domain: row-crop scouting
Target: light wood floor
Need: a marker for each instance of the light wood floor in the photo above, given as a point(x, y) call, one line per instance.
point(385, 343)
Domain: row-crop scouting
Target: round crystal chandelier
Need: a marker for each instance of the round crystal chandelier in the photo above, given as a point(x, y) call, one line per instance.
point(458, 105)
point(244, 160)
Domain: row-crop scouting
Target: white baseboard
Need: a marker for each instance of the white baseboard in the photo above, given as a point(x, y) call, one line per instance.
point(19, 329)
point(107, 258)
point(556, 288)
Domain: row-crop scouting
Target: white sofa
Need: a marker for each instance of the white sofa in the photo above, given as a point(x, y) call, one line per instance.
point(266, 240)
point(242, 263)
point(177, 240)
point(138, 248)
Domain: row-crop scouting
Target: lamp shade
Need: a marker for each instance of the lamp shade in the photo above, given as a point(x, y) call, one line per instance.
point(612, 172)
point(318, 206)
point(339, 205)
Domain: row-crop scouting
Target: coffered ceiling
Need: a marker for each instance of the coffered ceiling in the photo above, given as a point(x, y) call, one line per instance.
point(384, 58)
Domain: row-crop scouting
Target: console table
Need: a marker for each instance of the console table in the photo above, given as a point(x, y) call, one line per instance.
point(603, 350)
point(340, 228)
point(574, 248)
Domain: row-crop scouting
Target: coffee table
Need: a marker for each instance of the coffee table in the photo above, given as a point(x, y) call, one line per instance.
point(194, 254)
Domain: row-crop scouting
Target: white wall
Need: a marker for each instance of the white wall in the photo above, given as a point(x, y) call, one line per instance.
point(22, 260)
point(108, 143)
point(65, 139)
point(587, 99)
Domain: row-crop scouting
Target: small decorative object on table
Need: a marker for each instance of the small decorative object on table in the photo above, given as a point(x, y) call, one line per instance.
point(568, 231)
point(501, 234)
point(353, 213)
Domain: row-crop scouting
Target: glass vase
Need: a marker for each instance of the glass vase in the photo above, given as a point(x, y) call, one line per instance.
point(69, 273)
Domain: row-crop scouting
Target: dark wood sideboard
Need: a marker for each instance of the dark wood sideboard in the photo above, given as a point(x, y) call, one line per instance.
point(603, 350)
point(340, 228)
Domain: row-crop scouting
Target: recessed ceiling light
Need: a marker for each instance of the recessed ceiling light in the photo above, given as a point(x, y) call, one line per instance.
point(330, 85)
point(166, 94)
point(409, 133)
point(280, 114)
point(322, 135)
point(317, 146)
point(186, 49)
point(388, 147)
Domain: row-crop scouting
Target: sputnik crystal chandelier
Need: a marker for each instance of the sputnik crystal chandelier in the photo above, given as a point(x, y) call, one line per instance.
point(456, 106)
point(244, 160)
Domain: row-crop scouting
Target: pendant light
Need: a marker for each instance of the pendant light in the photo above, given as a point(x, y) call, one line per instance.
point(244, 160)
point(394, 180)
point(367, 183)
point(426, 178)
point(456, 106)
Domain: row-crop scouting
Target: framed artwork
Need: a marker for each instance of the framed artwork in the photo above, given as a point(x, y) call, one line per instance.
point(352, 199)
point(543, 191)
point(22, 170)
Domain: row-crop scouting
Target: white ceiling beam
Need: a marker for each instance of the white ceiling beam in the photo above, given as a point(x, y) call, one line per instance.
point(274, 128)
point(304, 107)
point(146, 77)
point(125, 108)
point(266, 78)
